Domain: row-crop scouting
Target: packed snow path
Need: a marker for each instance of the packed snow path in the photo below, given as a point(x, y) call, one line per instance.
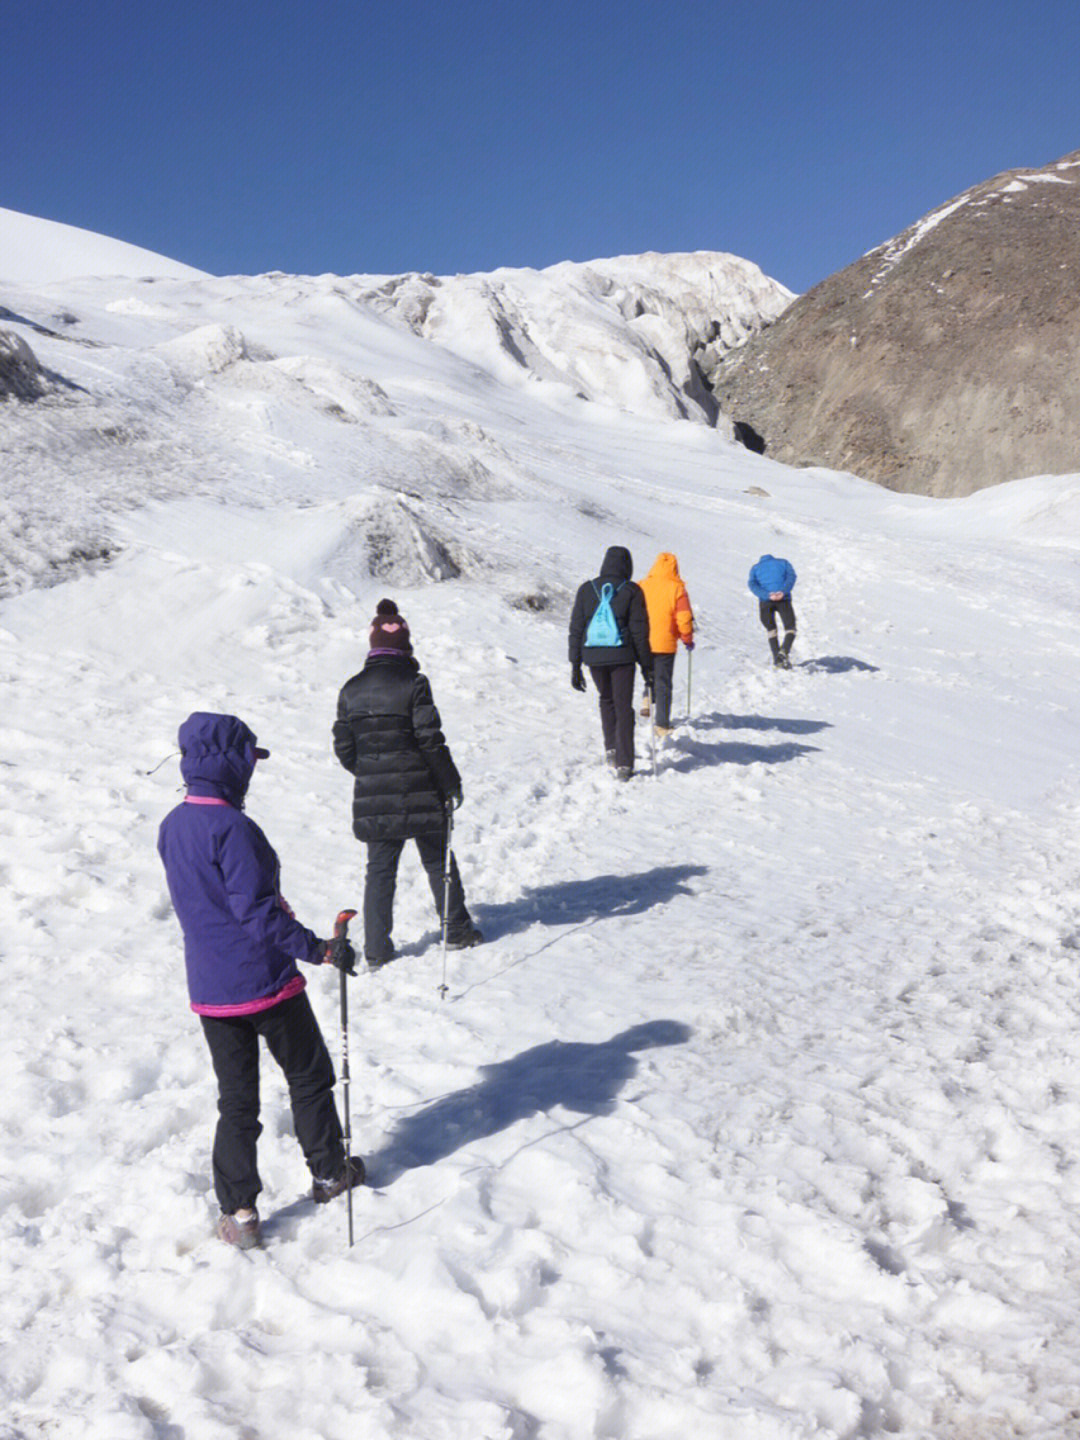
point(753, 1117)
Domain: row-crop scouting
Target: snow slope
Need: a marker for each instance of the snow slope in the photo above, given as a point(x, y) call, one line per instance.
point(38, 251)
point(755, 1116)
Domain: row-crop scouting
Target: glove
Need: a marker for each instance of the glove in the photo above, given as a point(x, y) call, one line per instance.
point(647, 677)
point(454, 800)
point(689, 644)
point(577, 678)
point(339, 953)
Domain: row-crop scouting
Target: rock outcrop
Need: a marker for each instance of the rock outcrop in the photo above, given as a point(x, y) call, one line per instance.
point(945, 360)
point(20, 373)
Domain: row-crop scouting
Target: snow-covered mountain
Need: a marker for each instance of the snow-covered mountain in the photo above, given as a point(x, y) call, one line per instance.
point(755, 1115)
point(638, 331)
point(622, 333)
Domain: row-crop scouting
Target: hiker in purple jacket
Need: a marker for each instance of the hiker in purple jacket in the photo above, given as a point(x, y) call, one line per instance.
point(241, 945)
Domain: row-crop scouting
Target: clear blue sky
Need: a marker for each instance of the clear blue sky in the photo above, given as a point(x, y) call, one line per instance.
point(250, 135)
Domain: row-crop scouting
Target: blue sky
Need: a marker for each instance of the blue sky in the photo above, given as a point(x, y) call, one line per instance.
point(459, 136)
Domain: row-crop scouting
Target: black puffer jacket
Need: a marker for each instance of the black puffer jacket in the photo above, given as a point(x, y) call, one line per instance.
point(389, 735)
point(628, 608)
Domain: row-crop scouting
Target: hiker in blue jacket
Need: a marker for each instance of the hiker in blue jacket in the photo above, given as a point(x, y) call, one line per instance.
point(772, 580)
point(612, 664)
point(241, 945)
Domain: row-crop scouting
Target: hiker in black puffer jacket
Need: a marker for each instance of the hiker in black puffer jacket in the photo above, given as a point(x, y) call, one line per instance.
point(612, 666)
point(389, 736)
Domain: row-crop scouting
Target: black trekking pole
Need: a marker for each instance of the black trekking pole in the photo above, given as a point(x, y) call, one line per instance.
point(447, 860)
point(689, 679)
point(341, 927)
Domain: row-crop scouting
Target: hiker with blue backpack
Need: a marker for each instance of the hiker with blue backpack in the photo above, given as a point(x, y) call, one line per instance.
point(609, 633)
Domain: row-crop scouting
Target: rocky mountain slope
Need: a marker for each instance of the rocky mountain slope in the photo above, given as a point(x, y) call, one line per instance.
point(946, 360)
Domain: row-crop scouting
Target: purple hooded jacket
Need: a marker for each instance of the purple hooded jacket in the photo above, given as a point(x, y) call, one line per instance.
point(241, 941)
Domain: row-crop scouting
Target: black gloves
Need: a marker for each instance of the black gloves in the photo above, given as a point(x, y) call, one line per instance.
point(577, 677)
point(340, 953)
point(454, 800)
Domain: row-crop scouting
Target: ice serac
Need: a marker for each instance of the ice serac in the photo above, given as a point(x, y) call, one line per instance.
point(642, 333)
point(945, 360)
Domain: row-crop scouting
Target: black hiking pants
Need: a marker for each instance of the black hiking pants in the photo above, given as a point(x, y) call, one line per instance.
point(663, 669)
point(295, 1041)
point(615, 684)
point(380, 883)
point(770, 611)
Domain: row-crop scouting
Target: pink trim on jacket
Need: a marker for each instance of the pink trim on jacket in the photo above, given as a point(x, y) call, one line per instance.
point(206, 800)
point(253, 1007)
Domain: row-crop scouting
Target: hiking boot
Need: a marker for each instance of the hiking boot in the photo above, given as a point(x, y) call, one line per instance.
point(783, 661)
point(465, 939)
point(376, 962)
point(663, 731)
point(609, 756)
point(646, 708)
point(323, 1191)
point(243, 1232)
point(623, 772)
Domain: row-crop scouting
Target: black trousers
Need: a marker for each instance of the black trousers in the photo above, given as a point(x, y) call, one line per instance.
point(380, 884)
point(663, 669)
point(295, 1041)
point(615, 684)
point(770, 610)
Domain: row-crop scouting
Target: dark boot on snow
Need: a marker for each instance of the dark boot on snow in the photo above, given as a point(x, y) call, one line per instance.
point(323, 1191)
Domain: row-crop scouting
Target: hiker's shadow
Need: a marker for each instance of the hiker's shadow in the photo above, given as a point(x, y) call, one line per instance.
point(573, 902)
point(719, 720)
point(695, 755)
point(836, 664)
point(689, 753)
point(581, 1078)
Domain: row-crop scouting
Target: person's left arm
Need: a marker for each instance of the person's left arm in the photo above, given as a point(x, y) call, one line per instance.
point(427, 727)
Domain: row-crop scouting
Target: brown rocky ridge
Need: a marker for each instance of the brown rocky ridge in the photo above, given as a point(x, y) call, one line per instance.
point(945, 360)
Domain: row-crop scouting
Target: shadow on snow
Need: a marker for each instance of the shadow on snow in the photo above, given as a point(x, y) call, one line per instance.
point(761, 722)
point(582, 1078)
point(836, 664)
point(693, 754)
point(573, 902)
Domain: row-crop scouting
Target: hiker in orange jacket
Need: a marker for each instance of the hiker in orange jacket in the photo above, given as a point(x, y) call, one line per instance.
point(670, 620)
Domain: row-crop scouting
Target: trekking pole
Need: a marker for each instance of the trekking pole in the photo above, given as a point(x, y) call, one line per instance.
point(341, 926)
point(689, 679)
point(447, 860)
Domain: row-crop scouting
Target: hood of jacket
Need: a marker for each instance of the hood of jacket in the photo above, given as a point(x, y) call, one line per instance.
point(664, 567)
point(618, 564)
point(217, 756)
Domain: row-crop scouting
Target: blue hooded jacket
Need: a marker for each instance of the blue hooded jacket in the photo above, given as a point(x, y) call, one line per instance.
point(771, 574)
point(241, 941)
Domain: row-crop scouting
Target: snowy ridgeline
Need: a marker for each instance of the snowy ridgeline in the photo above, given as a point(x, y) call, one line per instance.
point(136, 372)
point(755, 1116)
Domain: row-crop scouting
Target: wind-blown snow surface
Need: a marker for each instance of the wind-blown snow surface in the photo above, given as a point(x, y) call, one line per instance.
point(756, 1115)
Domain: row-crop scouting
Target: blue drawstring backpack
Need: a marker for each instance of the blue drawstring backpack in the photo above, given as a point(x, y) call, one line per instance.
point(603, 631)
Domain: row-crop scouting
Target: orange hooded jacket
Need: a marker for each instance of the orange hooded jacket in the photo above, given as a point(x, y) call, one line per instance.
point(668, 604)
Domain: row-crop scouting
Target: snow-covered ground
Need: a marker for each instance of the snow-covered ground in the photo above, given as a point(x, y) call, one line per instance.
point(755, 1117)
